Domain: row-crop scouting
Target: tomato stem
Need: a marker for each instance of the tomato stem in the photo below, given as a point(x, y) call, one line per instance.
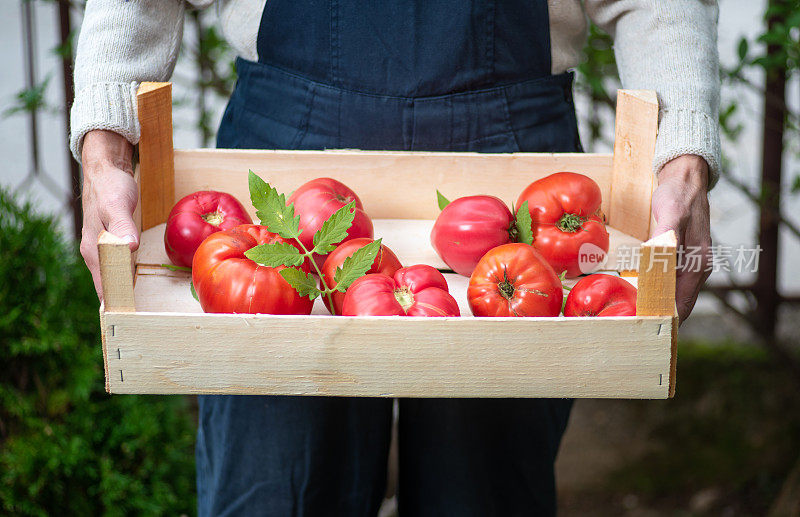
point(505, 287)
point(405, 298)
point(326, 291)
point(213, 218)
point(570, 223)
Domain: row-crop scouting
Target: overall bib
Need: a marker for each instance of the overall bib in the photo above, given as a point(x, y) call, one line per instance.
point(436, 75)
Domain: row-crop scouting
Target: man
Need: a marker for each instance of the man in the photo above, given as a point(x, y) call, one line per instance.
point(398, 74)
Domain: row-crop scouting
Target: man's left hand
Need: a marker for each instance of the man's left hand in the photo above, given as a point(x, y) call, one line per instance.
point(680, 203)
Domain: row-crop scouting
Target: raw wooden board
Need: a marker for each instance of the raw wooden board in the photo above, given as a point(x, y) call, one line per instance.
point(388, 356)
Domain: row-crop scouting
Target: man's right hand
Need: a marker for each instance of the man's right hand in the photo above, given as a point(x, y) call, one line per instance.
point(109, 196)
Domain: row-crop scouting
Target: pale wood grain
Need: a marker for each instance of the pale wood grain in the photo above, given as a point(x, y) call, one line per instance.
point(656, 295)
point(634, 147)
point(116, 274)
point(389, 357)
point(410, 177)
point(156, 173)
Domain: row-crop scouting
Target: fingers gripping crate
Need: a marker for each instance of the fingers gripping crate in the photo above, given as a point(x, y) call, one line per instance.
point(157, 340)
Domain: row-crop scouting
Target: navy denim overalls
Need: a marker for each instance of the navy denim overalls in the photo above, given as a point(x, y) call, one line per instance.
point(442, 75)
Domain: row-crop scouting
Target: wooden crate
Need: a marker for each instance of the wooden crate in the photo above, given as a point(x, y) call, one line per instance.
point(157, 340)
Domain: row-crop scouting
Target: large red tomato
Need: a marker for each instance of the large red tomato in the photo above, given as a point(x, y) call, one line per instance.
point(514, 280)
point(386, 263)
point(469, 227)
point(316, 200)
point(565, 209)
point(418, 290)
point(227, 281)
point(197, 216)
point(601, 295)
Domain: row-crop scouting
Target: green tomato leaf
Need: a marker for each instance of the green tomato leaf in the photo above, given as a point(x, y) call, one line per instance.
point(274, 255)
point(334, 230)
point(356, 265)
point(173, 267)
point(271, 208)
point(304, 284)
point(443, 201)
point(523, 223)
point(194, 293)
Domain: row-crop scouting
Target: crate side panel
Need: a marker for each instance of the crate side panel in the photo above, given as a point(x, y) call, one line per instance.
point(392, 185)
point(391, 357)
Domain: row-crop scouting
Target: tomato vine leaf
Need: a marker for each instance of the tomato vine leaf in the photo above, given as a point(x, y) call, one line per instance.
point(524, 224)
point(303, 283)
point(194, 292)
point(443, 201)
point(275, 254)
point(356, 265)
point(334, 230)
point(271, 208)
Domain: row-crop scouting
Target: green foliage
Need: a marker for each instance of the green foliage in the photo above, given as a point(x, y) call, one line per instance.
point(597, 77)
point(303, 283)
point(733, 426)
point(356, 265)
point(524, 224)
point(334, 229)
point(30, 99)
point(274, 255)
point(443, 201)
point(271, 208)
point(66, 447)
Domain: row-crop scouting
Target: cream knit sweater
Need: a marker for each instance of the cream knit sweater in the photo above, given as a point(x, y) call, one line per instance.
point(669, 46)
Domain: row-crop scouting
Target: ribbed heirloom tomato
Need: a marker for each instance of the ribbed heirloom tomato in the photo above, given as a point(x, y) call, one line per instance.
point(315, 201)
point(418, 290)
point(470, 226)
point(197, 216)
point(601, 295)
point(514, 280)
point(565, 209)
point(386, 263)
point(227, 281)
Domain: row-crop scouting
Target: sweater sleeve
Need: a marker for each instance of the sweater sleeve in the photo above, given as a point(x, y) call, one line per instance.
point(670, 47)
point(121, 44)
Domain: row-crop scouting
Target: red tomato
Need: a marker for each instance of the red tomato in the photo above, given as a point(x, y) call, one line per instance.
point(469, 227)
point(227, 281)
point(514, 280)
point(601, 295)
point(565, 209)
point(316, 200)
point(418, 290)
point(386, 263)
point(197, 216)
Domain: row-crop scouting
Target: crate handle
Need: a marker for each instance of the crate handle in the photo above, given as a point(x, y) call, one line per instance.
point(656, 284)
point(635, 132)
point(156, 154)
point(116, 273)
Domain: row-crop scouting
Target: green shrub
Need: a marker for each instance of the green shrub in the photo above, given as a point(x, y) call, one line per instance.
point(66, 447)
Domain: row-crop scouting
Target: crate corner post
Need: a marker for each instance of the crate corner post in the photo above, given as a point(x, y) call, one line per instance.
point(156, 153)
point(633, 179)
point(656, 289)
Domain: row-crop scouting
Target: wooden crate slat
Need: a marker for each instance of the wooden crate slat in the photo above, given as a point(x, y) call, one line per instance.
point(388, 357)
point(116, 273)
point(413, 177)
point(634, 146)
point(156, 172)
